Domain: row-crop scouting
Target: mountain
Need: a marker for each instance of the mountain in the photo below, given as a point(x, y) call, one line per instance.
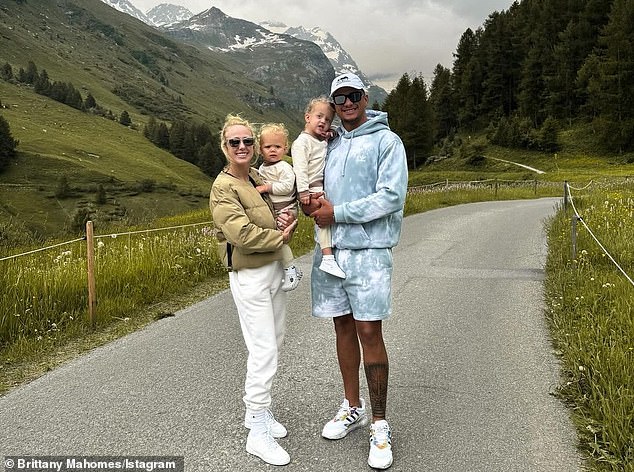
point(127, 7)
point(294, 70)
point(127, 66)
point(216, 30)
point(167, 14)
point(341, 61)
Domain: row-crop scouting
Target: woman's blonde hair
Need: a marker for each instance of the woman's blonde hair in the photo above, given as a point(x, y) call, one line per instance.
point(237, 120)
point(274, 128)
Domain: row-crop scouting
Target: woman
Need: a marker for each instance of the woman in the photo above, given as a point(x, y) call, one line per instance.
point(250, 245)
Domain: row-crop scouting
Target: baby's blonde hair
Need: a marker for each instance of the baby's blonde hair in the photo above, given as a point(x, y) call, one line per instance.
point(274, 128)
point(315, 101)
point(236, 120)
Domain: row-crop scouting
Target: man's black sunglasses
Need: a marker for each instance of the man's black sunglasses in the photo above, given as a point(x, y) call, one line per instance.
point(353, 96)
point(235, 142)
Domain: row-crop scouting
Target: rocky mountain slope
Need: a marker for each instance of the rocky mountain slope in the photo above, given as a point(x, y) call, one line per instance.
point(294, 70)
point(218, 34)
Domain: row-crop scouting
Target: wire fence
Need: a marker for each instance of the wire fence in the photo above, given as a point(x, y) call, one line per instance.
point(442, 186)
point(110, 235)
point(577, 218)
point(494, 184)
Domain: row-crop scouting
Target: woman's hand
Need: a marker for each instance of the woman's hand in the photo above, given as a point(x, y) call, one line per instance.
point(287, 233)
point(285, 219)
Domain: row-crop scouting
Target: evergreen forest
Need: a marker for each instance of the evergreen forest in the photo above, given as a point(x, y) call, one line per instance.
point(527, 72)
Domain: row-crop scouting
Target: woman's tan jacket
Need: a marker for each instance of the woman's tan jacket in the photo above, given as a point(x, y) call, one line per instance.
point(245, 223)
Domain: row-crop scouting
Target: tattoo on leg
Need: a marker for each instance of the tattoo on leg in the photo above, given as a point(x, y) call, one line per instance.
point(376, 375)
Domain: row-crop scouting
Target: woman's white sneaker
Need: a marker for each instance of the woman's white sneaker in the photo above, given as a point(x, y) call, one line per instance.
point(263, 445)
point(276, 428)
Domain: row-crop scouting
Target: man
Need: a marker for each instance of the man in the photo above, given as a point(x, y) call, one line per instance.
point(365, 182)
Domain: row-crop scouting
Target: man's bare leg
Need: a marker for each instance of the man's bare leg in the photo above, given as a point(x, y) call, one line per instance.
point(376, 365)
point(349, 357)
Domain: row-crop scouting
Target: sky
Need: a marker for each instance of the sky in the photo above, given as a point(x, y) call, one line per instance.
point(386, 38)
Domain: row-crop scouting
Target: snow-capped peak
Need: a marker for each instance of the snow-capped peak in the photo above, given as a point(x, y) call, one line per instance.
point(126, 6)
point(167, 14)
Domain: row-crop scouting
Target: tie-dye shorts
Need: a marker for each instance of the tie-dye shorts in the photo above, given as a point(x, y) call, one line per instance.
point(366, 292)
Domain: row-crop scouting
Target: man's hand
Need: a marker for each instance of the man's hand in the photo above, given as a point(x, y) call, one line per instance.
point(315, 202)
point(325, 214)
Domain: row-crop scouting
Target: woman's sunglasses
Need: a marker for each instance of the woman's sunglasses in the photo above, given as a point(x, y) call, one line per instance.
point(235, 142)
point(353, 96)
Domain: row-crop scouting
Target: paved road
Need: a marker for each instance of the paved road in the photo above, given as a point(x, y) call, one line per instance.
point(471, 377)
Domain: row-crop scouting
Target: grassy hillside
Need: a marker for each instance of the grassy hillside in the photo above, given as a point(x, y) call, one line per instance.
point(140, 180)
point(577, 161)
point(127, 66)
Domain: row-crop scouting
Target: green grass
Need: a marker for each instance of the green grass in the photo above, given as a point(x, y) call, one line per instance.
point(591, 314)
point(56, 141)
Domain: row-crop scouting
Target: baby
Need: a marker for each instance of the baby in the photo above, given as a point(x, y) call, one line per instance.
point(279, 181)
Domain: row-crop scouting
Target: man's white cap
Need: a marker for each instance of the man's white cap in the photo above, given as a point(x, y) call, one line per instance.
point(346, 80)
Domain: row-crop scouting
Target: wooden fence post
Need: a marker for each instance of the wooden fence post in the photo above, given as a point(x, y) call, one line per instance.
point(535, 187)
point(565, 195)
point(496, 189)
point(574, 237)
point(90, 255)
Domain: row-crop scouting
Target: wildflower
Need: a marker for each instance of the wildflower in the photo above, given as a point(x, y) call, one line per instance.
point(581, 368)
point(100, 244)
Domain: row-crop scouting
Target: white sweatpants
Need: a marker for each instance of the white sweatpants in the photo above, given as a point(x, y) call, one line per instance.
point(261, 307)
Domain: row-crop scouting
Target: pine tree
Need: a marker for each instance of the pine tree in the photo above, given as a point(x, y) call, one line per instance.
point(31, 73)
point(63, 188)
point(100, 196)
point(467, 78)
point(73, 97)
point(125, 119)
point(442, 103)
point(615, 76)
point(150, 130)
point(8, 145)
point(90, 101)
point(6, 72)
point(163, 136)
point(177, 133)
point(497, 53)
point(42, 84)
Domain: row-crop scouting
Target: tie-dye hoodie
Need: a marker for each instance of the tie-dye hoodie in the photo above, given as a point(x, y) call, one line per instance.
point(366, 180)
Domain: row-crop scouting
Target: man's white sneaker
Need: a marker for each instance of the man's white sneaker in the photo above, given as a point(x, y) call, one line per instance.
point(276, 428)
point(347, 419)
point(380, 456)
point(263, 445)
point(329, 265)
point(292, 276)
